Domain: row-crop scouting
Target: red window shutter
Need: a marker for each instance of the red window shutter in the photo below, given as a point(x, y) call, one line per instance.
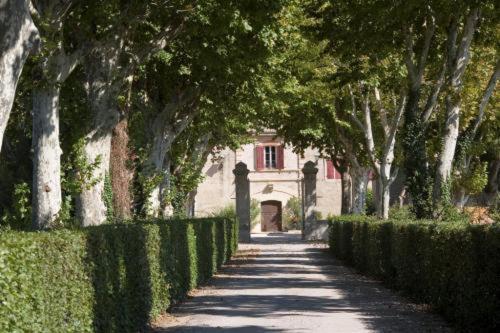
point(259, 158)
point(337, 174)
point(330, 170)
point(280, 156)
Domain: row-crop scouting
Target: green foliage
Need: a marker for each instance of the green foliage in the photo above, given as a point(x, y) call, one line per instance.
point(20, 217)
point(473, 181)
point(419, 180)
point(451, 266)
point(445, 210)
point(317, 215)
point(111, 278)
point(370, 203)
point(401, 213)
point(292, 214)
point(108, 198)
point(229, 212)
point(77, 171)
point(495, 210)
point(254, 212)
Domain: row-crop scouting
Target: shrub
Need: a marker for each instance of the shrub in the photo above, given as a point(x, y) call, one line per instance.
point(20, 217)
point(254, 212)
point(292, 214)
point(370, 203)
point(229, 211)
point(454, 267)
point(111, 278)
point(401, 213)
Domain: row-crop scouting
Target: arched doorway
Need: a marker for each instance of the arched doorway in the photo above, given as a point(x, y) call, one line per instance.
point(271, 215)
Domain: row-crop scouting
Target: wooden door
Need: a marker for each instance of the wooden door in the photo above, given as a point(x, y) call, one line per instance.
point(271, 216)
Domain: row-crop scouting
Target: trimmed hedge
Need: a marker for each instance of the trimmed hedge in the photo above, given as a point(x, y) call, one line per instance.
point(453, 267)
point(110, 278)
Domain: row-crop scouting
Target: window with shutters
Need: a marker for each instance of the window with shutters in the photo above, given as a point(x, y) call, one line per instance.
point(269, 157)
point(331, 171)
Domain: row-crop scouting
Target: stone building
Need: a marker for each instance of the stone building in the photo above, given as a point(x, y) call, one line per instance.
point(275, 177)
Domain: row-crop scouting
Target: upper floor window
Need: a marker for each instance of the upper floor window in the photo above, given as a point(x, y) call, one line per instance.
point(269, 157)
point(331, 171)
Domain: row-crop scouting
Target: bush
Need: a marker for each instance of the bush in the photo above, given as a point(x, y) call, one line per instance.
point(229, 211)
point(111, 278)
point(292, 214)
point(20, 217)
point(254, 212)
point(370, 203)
point(454, 267)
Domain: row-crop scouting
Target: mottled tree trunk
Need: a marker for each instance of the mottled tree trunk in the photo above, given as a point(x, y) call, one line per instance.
point(447, 154)
point(458, 58)
point(155, 200)
point(47, 198)
point(104, 81)
point(91, 207)
point(346, 183)
point(121, 174)
point(385, 182)
point(493, 184)
point(46, 148)
point(155, 168)
point(359, 186)
point(18, 36)
point(167, 126)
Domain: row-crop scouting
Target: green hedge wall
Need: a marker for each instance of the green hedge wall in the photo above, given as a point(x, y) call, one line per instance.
point(453, 267)
point(111, 278)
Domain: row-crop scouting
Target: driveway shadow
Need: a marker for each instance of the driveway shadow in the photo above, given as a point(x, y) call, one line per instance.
point(290, 281)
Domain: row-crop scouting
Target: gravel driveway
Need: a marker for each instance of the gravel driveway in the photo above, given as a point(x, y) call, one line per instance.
point(281, 284)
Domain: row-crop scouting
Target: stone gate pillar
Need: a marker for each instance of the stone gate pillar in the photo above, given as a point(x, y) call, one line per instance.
point(242, 201)
point(309, 194)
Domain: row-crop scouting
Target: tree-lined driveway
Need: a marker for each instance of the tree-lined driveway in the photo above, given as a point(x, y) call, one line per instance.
point(281, 284)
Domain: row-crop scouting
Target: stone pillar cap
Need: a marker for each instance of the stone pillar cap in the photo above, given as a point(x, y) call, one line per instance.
point(241, 169)
point(310, 168)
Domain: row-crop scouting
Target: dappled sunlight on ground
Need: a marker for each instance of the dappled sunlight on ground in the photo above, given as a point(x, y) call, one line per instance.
point(279, 283)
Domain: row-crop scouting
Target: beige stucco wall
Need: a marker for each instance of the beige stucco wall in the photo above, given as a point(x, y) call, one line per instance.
point(217, 189)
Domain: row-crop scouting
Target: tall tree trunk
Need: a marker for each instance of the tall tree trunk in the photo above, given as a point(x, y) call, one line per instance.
point(462, 198)
point(385, 199)
point(447, 154)
point(18, 36)
point(121, 175)
point(493, 184)
point(166, 127)
point(385, 190)
point(105, 78)
point(91, 207)
point(359, 186)
point(346, 183)
point(158, 167)
point(415, 162)
point(459, 56)
point(166, 208)
point(47, 197)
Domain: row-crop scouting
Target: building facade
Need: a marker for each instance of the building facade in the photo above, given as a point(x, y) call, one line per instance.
point(275, 178)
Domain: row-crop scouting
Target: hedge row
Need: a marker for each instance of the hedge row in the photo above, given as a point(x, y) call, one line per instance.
point(453, 267)
point(111, 278)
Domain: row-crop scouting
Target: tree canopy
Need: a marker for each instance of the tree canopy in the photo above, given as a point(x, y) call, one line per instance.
point(110, 109)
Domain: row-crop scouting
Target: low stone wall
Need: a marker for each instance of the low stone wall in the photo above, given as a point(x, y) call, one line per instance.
point(316, 230)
